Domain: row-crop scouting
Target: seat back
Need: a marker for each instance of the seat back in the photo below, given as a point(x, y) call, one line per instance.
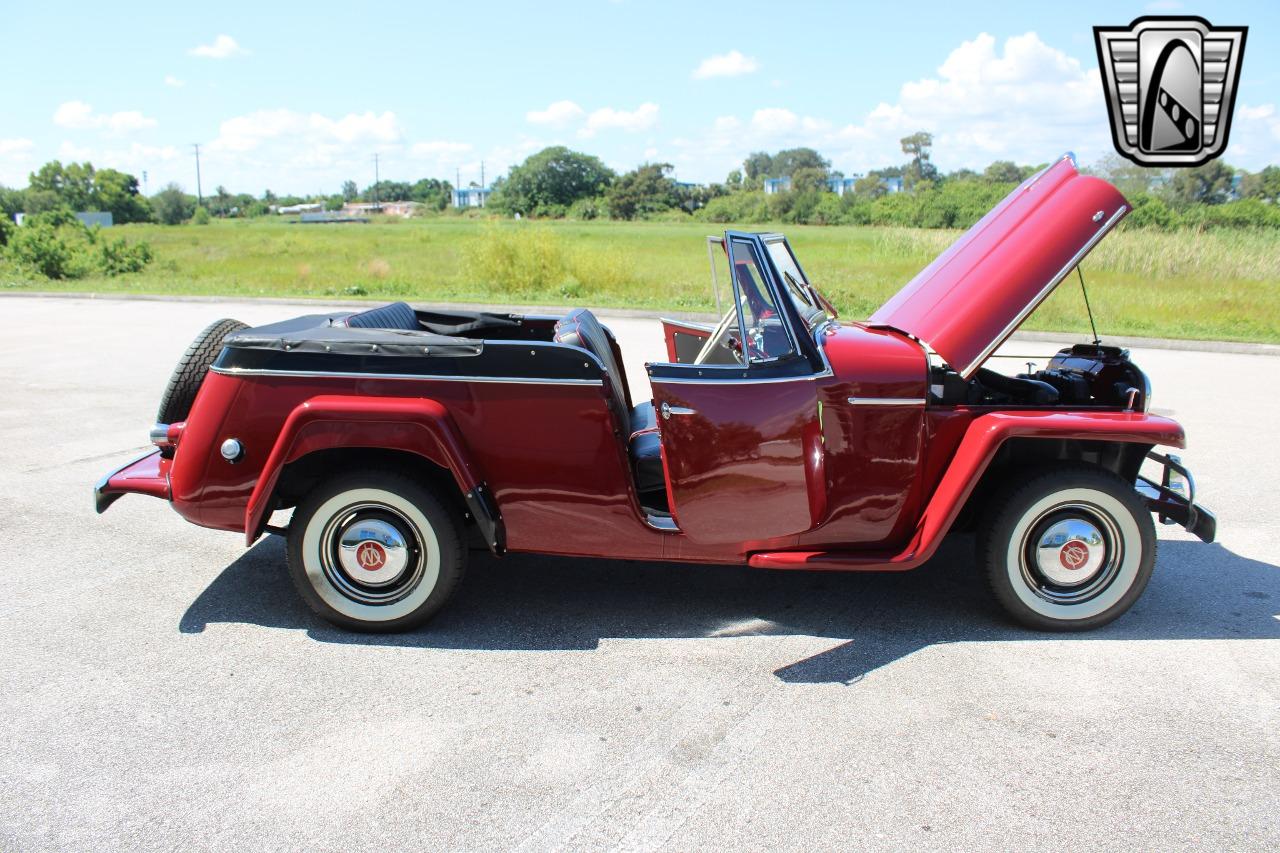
point(397, 315)
point(580, 328)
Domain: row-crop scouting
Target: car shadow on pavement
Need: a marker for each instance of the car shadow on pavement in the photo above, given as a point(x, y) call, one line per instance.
point(538, 603)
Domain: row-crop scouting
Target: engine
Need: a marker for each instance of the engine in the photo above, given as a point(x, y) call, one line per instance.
point(1084, 375)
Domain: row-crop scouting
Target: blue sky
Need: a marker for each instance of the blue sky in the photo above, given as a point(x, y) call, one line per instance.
point(299, 97)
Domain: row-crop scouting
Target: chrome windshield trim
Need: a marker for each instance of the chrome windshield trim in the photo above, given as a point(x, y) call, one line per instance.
point(886, 401)
point(688, 324)
point(424, 377)
point(1044, 292)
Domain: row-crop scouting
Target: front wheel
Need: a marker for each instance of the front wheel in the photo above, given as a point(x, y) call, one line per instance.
point(375, 552)
point(1068, 550)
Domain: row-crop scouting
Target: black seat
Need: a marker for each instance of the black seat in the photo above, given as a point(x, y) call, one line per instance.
point(645, 450)
point(638, 426)
point(397, 315)
point(580, 328)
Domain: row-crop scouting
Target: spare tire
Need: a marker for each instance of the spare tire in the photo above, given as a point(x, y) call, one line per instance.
point(180, 393)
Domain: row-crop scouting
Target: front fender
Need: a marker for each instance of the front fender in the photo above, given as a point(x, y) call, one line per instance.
point(982, 439)
point(985, 435)
point(419, 426)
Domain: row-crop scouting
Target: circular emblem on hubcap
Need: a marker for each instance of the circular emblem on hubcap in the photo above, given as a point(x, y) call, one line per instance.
point(1074, 555)
point(371, 556)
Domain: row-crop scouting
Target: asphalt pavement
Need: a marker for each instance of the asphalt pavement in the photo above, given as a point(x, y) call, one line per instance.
point(164, 688)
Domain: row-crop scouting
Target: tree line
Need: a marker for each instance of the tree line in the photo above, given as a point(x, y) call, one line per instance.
point(558, 182)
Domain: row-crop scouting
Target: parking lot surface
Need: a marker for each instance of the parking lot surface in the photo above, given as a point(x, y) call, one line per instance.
point(164, 688)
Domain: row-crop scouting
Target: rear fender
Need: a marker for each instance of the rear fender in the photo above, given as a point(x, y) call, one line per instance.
point(419, 426)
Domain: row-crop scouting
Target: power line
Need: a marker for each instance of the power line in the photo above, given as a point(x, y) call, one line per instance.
point(199, 193)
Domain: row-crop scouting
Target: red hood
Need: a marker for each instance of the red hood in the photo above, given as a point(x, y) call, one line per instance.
point(973, 296)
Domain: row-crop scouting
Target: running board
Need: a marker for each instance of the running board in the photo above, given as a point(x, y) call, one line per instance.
point(836, 561)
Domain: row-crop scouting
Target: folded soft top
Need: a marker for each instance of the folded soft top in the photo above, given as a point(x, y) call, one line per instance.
point(318, 333)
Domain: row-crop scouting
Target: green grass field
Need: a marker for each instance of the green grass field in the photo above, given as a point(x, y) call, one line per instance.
point(1217, 285)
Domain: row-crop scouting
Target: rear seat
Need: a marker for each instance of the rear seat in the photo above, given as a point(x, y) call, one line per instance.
point(580, 328)
point(397, 315)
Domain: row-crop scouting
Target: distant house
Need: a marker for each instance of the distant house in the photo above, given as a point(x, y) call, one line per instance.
point(840, 186)
point(403, 209)
point(294, 209)
point(777, 185)
point(471, 196)
point(90, 218)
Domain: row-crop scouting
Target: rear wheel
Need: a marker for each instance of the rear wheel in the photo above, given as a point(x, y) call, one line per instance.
point(180, 393)
point(1068, 550)
point(375, 552)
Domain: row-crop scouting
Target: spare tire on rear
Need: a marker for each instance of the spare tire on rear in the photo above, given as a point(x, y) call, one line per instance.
point(180, 393)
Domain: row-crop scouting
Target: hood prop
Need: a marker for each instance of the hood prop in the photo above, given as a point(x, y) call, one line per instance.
point(1096, 340)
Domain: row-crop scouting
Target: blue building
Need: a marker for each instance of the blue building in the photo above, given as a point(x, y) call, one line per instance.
point(776, 185)
point(471, 196)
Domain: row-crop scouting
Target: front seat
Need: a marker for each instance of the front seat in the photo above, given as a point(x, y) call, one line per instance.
point(580, 328)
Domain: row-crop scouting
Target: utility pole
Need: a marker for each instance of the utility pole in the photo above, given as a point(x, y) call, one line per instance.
point(482, 183)
point(199, 194)
point(376, 180)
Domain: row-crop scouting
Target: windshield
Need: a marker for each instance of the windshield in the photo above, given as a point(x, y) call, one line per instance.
point(809, 304)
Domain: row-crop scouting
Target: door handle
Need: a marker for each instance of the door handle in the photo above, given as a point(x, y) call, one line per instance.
point(668, 410)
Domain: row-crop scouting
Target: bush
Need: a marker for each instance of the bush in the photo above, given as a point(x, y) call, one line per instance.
point(40, 249)
point(1150, 212)
point(6, 226)
point(201, 216)
point(585, 209)
point(117, 257)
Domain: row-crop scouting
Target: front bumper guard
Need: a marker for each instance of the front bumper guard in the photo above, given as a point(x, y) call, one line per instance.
point(1168, 502)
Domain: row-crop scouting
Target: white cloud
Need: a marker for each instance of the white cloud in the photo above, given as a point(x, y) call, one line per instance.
point(773, 121)
point(1022, 100)
point(222, 47)
point(557, 114)
point(1255, 136)
point(15, 161)
point(77, 115)
point(440, 149)
point(170, 80)
point(305, 131)
point(642, 117)
point(731, 64)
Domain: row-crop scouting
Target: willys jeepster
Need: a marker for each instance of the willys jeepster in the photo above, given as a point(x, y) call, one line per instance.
point(779, 438)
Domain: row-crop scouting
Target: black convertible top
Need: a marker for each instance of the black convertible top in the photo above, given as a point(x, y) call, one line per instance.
point(316, 333)
point(397, 340)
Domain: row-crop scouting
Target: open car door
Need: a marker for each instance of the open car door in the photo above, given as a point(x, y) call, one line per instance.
point(738, 437)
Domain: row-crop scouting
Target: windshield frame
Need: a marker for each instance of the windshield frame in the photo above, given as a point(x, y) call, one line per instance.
point(810, 305)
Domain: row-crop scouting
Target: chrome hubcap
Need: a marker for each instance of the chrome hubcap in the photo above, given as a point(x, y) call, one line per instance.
point(371, 554)
point(1071, 553)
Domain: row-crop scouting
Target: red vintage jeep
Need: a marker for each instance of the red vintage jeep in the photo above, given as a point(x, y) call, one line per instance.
point(778, 438)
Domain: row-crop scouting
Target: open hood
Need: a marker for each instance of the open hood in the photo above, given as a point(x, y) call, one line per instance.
point(977, 292)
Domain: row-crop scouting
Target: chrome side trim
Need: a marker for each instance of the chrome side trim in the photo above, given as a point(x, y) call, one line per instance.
point(1044, 292)
point(425, 377)
point(741, 380)
point(886, 401)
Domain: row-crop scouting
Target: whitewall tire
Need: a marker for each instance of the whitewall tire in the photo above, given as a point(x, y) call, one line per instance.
point(375, 551)
point(1069, 549)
